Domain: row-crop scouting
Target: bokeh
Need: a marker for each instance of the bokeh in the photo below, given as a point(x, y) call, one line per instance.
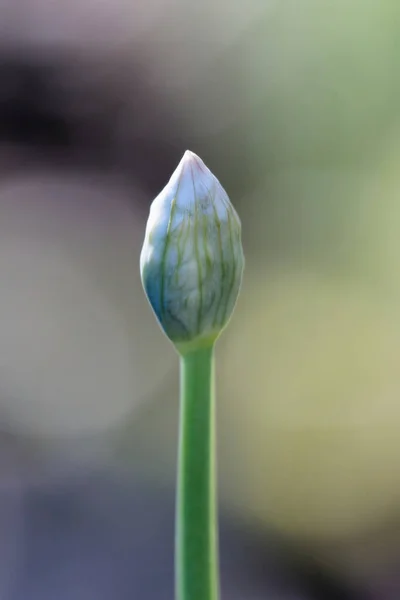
point(294, 105)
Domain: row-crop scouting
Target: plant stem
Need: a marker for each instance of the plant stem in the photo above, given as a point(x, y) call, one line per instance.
point(196, 544)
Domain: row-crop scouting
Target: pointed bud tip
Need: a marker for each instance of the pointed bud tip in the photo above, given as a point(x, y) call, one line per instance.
point(193, 160)
point(189, 155)
point(189, 167)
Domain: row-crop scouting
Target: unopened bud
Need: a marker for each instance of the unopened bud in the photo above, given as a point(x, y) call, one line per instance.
point(192, 257)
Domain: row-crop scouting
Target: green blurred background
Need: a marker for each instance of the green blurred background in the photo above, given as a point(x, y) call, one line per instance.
point(294, 105)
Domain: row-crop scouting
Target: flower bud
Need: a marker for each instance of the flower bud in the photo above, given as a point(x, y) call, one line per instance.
point(192, 257)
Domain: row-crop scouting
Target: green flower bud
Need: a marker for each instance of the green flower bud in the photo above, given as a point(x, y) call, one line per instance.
point(192, 257)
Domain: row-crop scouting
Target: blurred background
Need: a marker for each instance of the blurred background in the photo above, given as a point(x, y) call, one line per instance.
point(294, 105)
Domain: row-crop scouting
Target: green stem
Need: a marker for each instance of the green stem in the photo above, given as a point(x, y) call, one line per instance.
point(196, 559)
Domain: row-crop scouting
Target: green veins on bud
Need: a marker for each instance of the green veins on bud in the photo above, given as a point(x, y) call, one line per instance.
point(192, 258)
